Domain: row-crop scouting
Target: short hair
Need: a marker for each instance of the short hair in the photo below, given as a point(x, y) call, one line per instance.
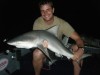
point(43, 2)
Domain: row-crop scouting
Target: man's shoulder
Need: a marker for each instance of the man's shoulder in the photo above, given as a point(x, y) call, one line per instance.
point(60, 19)
point(38, 19)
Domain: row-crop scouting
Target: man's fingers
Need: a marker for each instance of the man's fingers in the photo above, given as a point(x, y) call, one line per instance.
point(78, 55)
point(45, 43)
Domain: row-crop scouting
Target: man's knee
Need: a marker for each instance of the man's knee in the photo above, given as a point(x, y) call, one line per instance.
point(37, 54)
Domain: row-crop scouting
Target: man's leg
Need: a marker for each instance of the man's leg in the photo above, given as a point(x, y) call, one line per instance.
point(38, 59)
point(77, 67)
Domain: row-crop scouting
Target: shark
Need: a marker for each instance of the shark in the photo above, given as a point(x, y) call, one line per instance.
point(35, 39)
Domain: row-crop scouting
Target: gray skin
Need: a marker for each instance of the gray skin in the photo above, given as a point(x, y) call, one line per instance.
point(35, 38)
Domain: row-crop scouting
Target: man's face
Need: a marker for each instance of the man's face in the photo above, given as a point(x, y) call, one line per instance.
point(47, 12)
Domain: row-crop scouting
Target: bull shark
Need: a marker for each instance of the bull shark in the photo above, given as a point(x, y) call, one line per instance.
point(35, 38)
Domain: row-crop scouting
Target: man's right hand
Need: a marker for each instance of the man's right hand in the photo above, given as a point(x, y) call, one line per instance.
point(77, 53)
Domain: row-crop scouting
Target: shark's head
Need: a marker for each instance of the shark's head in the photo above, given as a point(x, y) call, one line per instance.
point(26, 40)
point(21, 44)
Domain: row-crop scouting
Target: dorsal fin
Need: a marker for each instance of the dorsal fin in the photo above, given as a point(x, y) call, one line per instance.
point(53, 30)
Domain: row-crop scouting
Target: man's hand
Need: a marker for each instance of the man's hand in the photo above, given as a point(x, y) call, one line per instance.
point(78, 52)
point(45, 44)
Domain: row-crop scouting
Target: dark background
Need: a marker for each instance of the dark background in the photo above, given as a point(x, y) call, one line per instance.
point(17, 17)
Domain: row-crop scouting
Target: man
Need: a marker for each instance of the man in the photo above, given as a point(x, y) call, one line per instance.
point(48, 20)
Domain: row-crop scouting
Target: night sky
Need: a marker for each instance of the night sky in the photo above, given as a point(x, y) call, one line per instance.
point(19, 15)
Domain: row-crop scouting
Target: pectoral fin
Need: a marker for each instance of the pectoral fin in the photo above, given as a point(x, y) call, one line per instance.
point(44, 50)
